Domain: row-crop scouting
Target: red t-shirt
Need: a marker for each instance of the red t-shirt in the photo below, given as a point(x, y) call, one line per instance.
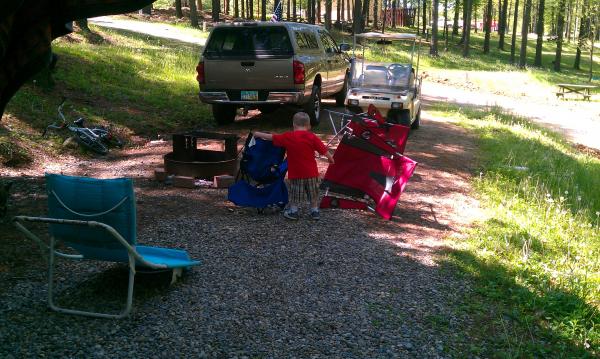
point(300, 146)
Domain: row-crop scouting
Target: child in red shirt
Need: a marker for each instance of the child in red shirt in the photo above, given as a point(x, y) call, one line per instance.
point(303, 175)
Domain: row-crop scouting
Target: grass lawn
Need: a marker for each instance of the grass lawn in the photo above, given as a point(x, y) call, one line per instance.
point(141, 85)
point(535, 257)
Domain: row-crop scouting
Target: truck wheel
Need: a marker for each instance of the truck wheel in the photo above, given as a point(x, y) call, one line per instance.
point(224, 114)
point(400, 118)
point(313, 107)
point(340, 97)
point(415, 125)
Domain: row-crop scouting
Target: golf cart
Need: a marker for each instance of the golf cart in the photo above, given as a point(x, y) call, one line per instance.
point(394, 89)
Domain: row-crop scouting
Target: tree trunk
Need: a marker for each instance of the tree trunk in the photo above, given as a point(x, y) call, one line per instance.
point(560, 23)
point(365, 14)
point(294, 14)
point(540, 34)
point(236, 9)
point(502, 24)
point(584, 29)
point(569, 20)
point(250, 9)
point(424, 16)
point(488, 27)
point(328, 6)
point(193, 14)
point(446, 23)
point(467, 27)
point(464, 27)
point(455, 22)
point(524, 32)
point(513, 43)
point(394, 9)
point(216, 6)
point(147, 10)
point(350, 10)
point(433, 51)
point(357, 22)
point(592, 29)
point(341, 8)
point(318, 11)
point(83, 25)
point(263, 13)
point(475, 14)
point(178, 11)
point(375, 15)
point(199, 6)
point(418, 16)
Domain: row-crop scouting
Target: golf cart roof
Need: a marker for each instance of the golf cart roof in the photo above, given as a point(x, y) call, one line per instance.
point(392, 36)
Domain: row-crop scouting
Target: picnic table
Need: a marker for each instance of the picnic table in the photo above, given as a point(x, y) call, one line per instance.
point(583, 90)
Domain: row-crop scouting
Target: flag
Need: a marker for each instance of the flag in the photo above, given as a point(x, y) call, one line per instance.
point(278, 13)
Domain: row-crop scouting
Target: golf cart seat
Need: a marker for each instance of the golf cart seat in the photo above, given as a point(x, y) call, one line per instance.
point(401, 75)
point(375, 76)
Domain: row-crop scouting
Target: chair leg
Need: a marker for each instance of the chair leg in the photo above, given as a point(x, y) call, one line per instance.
point(56, 308)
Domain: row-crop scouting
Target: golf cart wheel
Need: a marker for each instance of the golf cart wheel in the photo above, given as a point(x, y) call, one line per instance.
point(224, 114)
point(402, 118)
point(313, 107)
point(415, 125)
point(340, 97)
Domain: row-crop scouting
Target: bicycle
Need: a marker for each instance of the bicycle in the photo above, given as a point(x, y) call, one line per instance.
point(96, 139)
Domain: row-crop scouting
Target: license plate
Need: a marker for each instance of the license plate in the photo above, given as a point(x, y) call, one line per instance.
point(249, 96)
point(376, 98)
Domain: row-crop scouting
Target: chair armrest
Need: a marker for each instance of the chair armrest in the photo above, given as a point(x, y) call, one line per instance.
point(131, 250)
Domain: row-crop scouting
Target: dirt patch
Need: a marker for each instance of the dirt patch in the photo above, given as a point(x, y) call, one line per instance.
point(350, 283)
point(588, 151)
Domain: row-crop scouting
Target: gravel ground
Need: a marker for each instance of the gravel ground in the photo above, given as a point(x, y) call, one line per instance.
point(349, 286)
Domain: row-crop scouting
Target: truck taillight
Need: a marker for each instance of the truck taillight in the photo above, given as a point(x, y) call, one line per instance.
point(298, 72)
point(200, 70)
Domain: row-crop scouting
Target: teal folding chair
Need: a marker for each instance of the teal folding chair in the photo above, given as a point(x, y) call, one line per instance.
point(97, 218)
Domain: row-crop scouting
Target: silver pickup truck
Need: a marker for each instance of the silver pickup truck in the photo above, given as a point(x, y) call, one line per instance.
point(263, 65)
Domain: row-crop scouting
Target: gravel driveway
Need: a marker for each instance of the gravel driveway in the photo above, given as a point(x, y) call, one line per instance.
point(349, 286)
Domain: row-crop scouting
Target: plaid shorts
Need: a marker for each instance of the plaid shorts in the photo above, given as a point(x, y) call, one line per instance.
point(303, 188)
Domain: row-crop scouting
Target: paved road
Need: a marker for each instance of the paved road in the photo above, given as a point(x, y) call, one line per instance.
point(579, 121)
point(164, 31)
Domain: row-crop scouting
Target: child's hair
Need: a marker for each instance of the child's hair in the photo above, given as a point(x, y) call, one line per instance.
point(301, 119)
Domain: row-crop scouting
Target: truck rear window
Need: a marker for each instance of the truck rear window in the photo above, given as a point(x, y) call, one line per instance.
point(249, 42)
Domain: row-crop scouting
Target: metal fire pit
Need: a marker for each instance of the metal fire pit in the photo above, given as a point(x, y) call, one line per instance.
point(187, 160)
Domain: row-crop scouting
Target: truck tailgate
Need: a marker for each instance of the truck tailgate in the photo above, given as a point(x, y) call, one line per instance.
point(250, 74)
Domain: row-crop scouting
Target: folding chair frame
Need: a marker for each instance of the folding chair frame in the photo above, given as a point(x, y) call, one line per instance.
point(131, 252)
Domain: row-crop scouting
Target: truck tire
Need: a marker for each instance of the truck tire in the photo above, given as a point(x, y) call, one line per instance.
point(313, 107)
point(224, 114)
point(340, 97)
point(415, 125)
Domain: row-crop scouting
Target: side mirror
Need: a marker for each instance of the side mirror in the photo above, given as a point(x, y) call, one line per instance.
point(345, 47)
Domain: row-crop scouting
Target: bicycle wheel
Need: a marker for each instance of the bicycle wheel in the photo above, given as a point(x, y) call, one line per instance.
point(107, 136)
point(91, 143)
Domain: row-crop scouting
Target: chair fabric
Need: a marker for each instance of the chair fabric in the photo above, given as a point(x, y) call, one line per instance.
point(89, 197)
point(261, 178)
point(375, 76)
point(108, 201)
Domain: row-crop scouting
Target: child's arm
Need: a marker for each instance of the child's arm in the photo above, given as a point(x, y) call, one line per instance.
point(263, 135)
point(329, 157)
